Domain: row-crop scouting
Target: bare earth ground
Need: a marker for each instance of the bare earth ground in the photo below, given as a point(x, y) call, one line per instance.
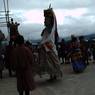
point(70, 84)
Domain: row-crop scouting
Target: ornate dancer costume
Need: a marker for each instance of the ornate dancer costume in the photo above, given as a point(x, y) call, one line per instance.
point(49, 61)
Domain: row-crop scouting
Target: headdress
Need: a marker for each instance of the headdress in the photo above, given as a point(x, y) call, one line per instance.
point(50, 13)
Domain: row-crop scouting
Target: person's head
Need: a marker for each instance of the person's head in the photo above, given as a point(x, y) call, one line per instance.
point(11, 19)
point(49, 18)
point(28, 43)
point(12, 22)
point(20, 40)
point(16, 23)
point(81, 38)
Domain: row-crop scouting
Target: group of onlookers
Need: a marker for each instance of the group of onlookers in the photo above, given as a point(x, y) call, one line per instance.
point(76, 47)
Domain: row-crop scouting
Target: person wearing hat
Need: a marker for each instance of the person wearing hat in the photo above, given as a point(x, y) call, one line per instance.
point(48, 53)
point(13, 27)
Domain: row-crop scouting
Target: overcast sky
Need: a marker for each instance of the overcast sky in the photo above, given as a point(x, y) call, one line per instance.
point(73, 16)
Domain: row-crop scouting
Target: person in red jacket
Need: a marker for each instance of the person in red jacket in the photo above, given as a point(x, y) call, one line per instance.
point(22, 58)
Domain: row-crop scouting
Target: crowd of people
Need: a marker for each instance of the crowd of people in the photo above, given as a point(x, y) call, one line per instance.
point(18, 56)
point(87, 48)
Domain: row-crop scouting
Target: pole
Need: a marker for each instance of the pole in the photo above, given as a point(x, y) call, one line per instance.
point(6, 9)
point(8, 15)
